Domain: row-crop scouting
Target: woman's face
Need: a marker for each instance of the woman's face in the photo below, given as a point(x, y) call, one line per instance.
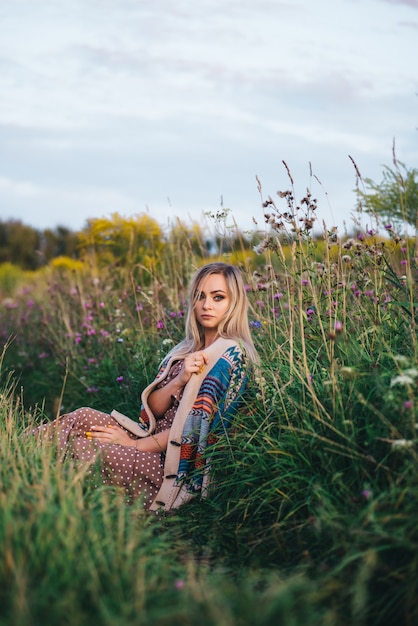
point(213, 302)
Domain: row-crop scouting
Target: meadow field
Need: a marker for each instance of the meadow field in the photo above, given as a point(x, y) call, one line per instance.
point(314, 522)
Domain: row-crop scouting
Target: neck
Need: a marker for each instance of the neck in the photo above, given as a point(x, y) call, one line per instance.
point(210, 338)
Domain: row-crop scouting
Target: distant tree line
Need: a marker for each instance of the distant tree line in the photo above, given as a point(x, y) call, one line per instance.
point(112, 240)
point(31, 248)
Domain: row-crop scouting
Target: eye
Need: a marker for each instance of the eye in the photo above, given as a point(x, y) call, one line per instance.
point(219, 297)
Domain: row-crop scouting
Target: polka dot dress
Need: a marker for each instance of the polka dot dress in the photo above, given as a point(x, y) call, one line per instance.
point(140, 474)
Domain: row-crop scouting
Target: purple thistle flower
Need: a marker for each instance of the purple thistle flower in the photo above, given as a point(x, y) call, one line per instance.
point(160, 324)
point(119, 379)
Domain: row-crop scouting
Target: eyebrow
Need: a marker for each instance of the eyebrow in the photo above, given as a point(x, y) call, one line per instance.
point(214, 291)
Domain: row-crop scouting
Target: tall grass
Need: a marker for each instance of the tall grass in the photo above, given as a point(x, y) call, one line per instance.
point(313, 520)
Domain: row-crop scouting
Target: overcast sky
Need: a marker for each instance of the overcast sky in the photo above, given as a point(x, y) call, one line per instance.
point(172, 106)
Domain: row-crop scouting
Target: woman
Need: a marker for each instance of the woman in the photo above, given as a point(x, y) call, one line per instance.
point(195, 395)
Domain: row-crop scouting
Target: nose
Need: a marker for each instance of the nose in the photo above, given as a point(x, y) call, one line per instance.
point(206, 303)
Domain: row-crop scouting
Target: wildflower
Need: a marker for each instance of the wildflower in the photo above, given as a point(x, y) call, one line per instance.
point(401, 359)
point(91, 360)
point(361, 236)
point(179, 584)
point(91, 331)
point(402, 443)
point(404, 262)
point(160, 324)
point(77, 338)
point(120, 340)
point(338, 326)
point(43, 355)
point(402, 379)
point(139, 307)
point(119, 379)
point(408, 404)
point(255, 324)
point(167, 342)
point(92, 389)
point(366, 493)
point(304, 281)
point(388, 226)
point(101, 305)
point(277, 296)
point(260, 303)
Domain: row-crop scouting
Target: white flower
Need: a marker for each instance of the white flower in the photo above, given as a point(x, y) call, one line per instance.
point(401, 359)
point(412, 372)
point(402, 443)
point(402, 379)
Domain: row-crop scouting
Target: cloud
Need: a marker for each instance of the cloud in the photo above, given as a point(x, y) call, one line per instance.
point(19, 189)
point(409, 3)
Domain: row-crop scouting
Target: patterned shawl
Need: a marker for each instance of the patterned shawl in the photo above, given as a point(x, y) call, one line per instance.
point(209, 403)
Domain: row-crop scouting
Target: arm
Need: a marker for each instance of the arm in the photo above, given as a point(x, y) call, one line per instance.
point(113, 433)
point(162, 398)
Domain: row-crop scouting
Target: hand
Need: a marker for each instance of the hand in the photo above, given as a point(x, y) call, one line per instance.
point(193, 364)
point(110, 434)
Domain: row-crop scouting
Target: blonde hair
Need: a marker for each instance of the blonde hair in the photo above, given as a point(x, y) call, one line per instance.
point(235, 323)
